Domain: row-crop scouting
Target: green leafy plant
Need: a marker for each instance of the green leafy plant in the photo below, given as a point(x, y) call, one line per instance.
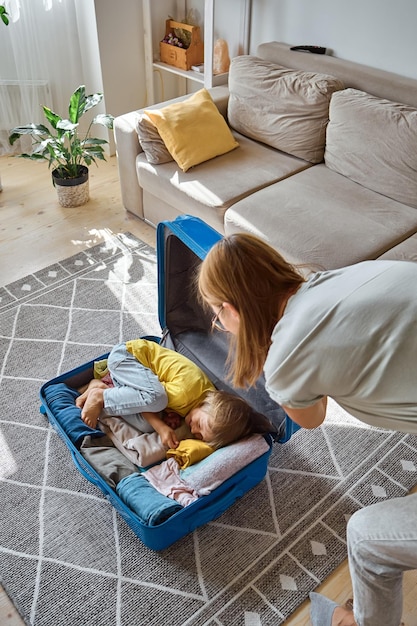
point(4, 15)
point(63, 147)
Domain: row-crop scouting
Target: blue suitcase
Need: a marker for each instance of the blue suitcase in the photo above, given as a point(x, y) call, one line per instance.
point(186, 328)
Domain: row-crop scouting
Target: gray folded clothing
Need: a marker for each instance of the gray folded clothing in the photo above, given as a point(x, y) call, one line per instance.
point(107, 460)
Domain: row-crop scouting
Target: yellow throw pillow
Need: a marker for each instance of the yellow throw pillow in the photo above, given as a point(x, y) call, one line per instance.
point(193, 130)
point(184, 382)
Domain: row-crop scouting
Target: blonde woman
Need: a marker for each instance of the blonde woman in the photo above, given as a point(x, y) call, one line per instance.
point(348, 333)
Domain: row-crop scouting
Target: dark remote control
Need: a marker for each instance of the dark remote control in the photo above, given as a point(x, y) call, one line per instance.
point(313, 49)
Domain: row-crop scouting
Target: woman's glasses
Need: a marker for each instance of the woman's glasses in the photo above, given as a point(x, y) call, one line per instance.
point(216, 323)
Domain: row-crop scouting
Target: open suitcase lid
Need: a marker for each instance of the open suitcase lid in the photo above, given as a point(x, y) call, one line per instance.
point(186, 326)
point(197, 238)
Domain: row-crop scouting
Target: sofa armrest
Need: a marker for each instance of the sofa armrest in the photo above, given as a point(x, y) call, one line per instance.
point(220, 97)
point(128, 148)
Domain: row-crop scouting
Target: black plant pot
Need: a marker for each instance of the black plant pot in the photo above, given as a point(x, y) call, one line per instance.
point(72, 191)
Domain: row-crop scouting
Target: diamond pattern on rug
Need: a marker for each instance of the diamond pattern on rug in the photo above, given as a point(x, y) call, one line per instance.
point(67, 557)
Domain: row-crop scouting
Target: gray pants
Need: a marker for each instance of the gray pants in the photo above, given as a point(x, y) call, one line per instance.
point(136, 389)
point(382, 545)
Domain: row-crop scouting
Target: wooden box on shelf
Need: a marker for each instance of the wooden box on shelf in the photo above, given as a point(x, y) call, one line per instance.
point(183, 58)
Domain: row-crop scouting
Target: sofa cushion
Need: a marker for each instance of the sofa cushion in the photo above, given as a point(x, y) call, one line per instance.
point(193, 130)
point(150, 140)
point(323, 219)
point(286, 109)
point(404, 251)
point(374, 142)
point(220, 182)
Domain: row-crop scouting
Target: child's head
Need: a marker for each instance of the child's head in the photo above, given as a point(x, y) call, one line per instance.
point(222, 418)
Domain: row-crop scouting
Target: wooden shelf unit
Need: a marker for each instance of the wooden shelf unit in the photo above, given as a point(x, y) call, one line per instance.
point(206, 78)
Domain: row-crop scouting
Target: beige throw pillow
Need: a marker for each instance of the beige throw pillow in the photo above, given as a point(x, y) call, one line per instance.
point(374, 142)
point(284, 108)
point(151, 142)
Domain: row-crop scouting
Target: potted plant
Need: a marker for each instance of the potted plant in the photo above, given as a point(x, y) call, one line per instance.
point(4, 15)
point(66, 150)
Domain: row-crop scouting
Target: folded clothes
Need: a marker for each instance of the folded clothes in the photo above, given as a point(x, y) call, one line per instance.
point(189, 451)
point(106, 459)
point(61, 401)
point(143, 449)
point(165, 477)
point(212, 471)
point(150, 506)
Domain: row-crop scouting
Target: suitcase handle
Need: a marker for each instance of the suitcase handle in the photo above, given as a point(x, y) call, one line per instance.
point(290, 428)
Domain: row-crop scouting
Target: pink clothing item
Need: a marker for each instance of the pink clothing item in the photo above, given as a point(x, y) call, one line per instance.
point(171, 418)
point(166, 479)
point(107, 379)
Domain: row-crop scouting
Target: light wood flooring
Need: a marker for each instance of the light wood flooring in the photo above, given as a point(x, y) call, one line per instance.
point(35, 231)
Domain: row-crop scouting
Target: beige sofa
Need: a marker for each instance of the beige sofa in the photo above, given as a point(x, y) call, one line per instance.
point(326, 168)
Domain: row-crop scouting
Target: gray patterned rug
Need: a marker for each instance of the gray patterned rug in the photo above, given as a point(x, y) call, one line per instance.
point(68, 559)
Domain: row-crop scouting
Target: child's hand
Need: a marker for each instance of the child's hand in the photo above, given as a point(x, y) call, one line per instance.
point(168, 437)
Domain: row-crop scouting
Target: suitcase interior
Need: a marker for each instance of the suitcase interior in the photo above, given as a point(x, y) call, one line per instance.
point(205, 509)
point(196, 514)
point(186, 328)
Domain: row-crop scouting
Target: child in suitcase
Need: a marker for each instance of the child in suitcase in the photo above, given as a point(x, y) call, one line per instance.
point(145, 378)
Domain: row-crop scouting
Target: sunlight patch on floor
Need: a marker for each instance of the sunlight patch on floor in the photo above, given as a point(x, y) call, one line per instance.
point(8, 464)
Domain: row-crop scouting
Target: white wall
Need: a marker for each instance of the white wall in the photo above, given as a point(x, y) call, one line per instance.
point(120, 41)
point(379, 33)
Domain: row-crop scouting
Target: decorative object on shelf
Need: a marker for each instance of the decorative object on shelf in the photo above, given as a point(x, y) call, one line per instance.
point(175, 40)
point(182, 46)
point(63, 148)
point(221, 58)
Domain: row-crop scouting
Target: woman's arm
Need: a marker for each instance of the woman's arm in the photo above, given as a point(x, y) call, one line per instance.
point(310, 417)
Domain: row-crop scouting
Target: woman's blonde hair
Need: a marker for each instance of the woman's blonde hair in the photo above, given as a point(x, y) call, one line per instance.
point(253, 277)
point(231, 418)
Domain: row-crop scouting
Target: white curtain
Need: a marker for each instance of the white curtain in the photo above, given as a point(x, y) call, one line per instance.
point(41, 61)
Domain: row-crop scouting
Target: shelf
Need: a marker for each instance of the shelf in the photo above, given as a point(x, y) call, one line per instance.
point(206, 78)
point(198, 77)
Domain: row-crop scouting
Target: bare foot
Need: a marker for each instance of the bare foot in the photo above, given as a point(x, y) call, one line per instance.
point(93, 406)
point(93, 384)
point(343, 617)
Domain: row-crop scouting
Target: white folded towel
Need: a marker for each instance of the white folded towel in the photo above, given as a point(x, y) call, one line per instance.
point(212, 471)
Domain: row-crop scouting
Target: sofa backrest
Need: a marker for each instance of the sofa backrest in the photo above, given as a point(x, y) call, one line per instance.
point(284, 108)
point(374, 81)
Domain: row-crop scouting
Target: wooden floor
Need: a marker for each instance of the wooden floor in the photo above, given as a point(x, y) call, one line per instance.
point(35, 231)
